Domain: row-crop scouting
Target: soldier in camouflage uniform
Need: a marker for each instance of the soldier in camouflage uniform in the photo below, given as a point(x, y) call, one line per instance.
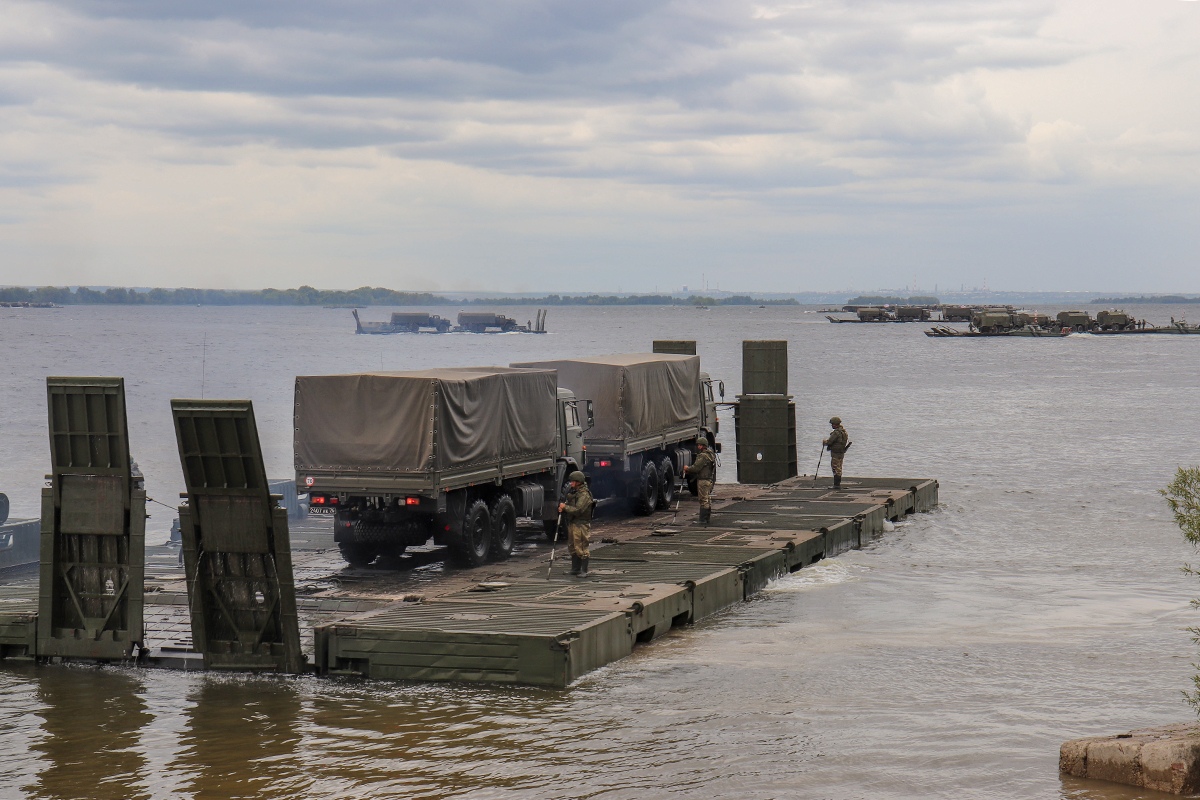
point(838, 442)
point(703, 470)
point(576, 509)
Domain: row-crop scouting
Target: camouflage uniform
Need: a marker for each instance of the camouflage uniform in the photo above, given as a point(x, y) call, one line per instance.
point(704, 469)
point(837, 443)
point(577, 513)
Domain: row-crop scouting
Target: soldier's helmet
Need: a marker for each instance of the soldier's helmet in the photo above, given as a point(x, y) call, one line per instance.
point(577, 477)
point(835, 420)
point(702, 441)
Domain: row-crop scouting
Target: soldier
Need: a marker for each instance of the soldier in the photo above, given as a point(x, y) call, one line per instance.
point(704, 470)
point(577, 510)
point(838, 442)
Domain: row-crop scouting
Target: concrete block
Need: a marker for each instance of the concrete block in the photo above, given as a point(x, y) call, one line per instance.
point(1165, 759)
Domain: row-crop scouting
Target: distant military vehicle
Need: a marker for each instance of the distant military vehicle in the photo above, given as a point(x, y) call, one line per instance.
point(1114, 321)
point(991, 321)
point(957, 313)
point(873, 314)
point(912, 314)
point(404, 322)
point(1075, 320)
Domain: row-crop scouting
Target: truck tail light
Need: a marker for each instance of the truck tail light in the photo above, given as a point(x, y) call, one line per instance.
point(412, 501)
point(604, 462)
point(317, 500)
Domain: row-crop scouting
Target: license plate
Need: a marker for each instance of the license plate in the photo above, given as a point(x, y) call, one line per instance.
point(321, 511)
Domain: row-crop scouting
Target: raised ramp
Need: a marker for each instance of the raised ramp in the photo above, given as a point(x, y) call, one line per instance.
point(93, 526)
point(236, 550)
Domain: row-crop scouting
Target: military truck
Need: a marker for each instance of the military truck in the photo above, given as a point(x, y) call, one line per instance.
point(454, 454)
point(992, 320)
point(1075, 320)
point(1115, 321)
point(404, 322)
point(483, 321)
point(873, 314)
point(649, 410)
point(912, 313)
point(957, 313)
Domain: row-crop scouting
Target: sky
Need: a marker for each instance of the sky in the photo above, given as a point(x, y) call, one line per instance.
point(625, 145)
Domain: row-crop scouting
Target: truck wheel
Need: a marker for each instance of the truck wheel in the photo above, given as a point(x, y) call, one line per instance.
point(475, 539)
point(666, 483)
point(3, 508)
point(693, 488)
point(504, 528)
point(647, 490)
point(357, 554)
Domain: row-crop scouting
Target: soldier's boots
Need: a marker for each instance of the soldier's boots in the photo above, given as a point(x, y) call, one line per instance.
point(837, 481)
point(583, 567)
point(575, 564)
point(705, 515)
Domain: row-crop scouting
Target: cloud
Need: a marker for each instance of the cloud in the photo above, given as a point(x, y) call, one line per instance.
point(769, 120)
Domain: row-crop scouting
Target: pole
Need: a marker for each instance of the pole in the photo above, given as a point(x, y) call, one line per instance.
point(818, 469)
point(557, 525)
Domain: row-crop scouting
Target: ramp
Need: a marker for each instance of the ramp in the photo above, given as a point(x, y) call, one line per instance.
point(93, 526)
point(236, 548)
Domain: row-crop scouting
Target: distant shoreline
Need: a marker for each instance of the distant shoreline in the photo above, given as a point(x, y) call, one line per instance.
point(362, 297)
point(1167, 299)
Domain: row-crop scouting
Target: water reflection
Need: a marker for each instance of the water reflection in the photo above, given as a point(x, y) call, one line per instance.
point(92, 720)
point(241, 738)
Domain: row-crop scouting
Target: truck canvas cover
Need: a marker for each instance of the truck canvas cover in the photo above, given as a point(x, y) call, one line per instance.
point(421, 421)
point(633, 395)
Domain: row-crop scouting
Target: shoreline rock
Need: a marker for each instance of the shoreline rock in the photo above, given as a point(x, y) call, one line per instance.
point(1166, 759)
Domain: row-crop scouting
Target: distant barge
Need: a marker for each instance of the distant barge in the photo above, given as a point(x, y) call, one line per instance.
point(468, 322)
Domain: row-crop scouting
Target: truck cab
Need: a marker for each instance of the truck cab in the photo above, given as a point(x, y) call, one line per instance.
point(571, 425)
point(710, 426)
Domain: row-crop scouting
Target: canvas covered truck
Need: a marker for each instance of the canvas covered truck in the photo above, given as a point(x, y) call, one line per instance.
point(649, 410)
point(456, 455)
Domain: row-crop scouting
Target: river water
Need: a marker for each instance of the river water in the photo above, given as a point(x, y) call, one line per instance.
point(1042, 601)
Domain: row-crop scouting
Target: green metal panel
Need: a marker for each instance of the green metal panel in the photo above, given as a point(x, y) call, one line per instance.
point(236, 547)
point(18, 630)
point(713, 588)
point(679, 347)
point(758, 565)
point(93, 526)
point(799, 548)
point(489, 642)
point(765, 428)
point(652, 609)
point(764, 367)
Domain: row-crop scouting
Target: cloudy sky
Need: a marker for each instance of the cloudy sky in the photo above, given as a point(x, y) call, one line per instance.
point(564, 145)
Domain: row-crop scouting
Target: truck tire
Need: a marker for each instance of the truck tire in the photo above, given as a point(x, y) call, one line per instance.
point(504, 527)
point(666, 483)
point(645, 498)
point(475, 538)
point(3, 508)
point(357, 554)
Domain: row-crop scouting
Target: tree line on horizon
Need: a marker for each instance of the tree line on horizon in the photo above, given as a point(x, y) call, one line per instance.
point(363, 296)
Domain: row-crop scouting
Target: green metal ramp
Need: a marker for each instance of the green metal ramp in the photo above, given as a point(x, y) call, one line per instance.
point(93, 526)
point(236, 550)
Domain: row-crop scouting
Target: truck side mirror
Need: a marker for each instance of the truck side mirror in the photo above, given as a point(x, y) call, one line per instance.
point(591, 417)
point(721, 389)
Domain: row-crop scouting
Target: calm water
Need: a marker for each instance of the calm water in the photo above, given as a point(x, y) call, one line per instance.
point(1041, 602)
